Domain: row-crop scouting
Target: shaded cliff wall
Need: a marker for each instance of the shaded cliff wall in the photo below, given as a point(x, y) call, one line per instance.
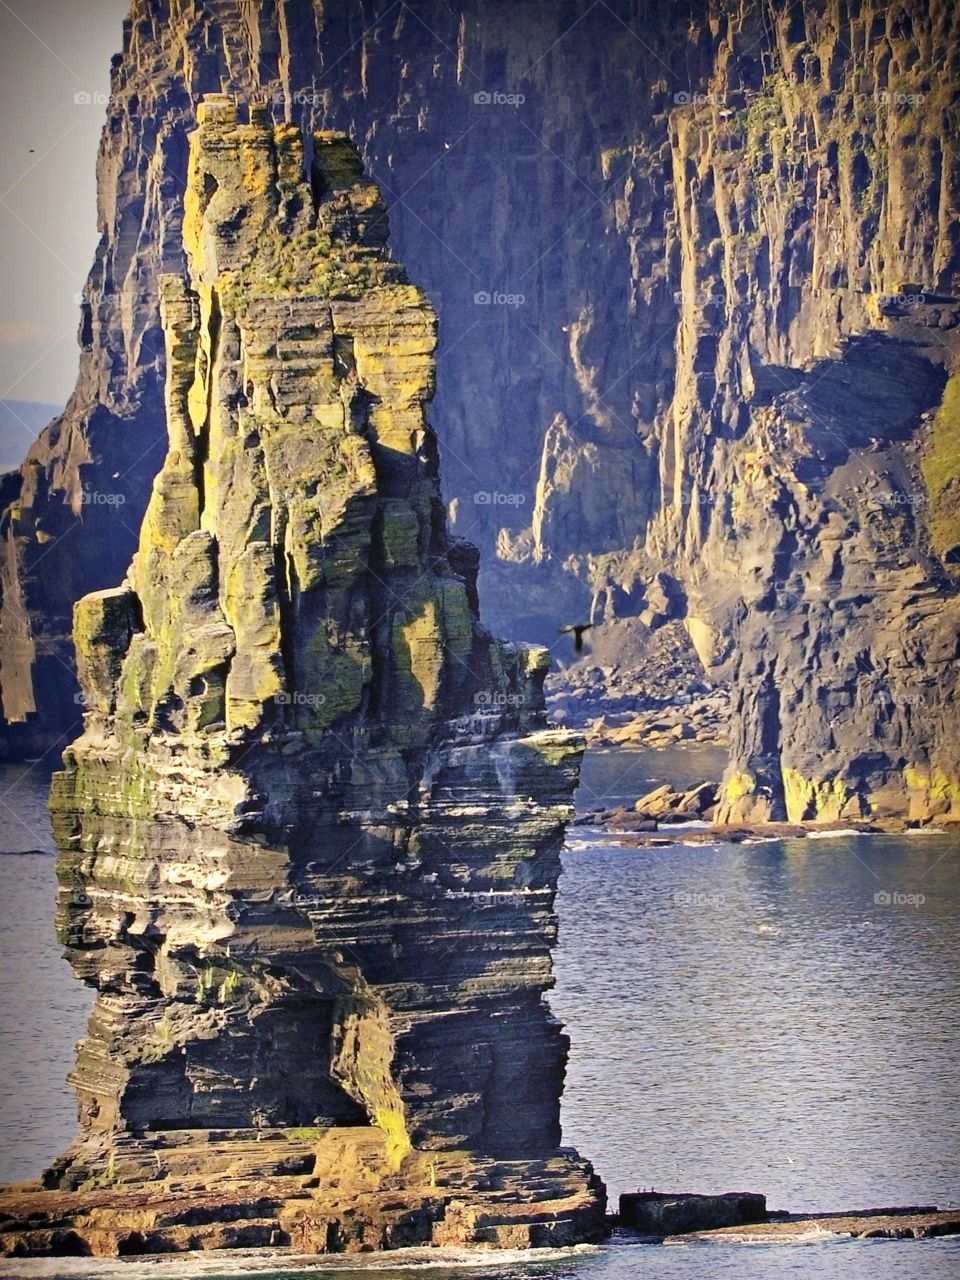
point(681, 228)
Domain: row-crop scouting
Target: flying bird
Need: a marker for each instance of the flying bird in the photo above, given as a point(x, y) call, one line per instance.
point(578, 629)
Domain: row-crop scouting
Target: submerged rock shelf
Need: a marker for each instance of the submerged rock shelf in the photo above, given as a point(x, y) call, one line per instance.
point(742, 1217)
point(308, 871)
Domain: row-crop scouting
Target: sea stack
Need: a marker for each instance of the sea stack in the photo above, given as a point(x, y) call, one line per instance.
point(310, 835)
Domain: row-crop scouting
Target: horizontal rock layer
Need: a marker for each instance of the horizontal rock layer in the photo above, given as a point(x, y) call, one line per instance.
point(311, 1193)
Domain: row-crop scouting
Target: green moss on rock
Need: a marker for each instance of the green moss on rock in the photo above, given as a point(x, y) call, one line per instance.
point(941, 472)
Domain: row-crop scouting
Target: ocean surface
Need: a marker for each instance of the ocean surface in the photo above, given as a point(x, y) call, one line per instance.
point(777, 1016)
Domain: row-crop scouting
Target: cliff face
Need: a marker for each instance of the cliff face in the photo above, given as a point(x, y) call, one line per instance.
point(720, 248)
point(310, 834)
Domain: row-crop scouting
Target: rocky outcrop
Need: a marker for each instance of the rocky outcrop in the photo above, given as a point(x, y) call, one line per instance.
point(698, 292)
point(658, 1213)
point(310, 835)
point(638, 686)
point(919, 1223)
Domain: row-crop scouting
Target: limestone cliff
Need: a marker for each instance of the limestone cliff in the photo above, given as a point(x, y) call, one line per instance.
point(310, 835)
point(720, 247)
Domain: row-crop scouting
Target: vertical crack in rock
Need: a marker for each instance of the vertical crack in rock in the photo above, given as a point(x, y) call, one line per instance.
point(310, 836)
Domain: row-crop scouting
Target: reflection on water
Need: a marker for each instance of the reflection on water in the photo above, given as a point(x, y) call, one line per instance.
point(742, 1017)
point(43, 1009)
point(612, 777)
point(775, 1016)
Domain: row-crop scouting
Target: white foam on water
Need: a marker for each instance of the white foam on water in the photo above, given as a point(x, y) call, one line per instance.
point(835, 835)
point(196, 1265)
point(812, 1235)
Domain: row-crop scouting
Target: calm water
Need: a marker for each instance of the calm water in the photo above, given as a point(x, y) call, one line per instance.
point(743, 1017)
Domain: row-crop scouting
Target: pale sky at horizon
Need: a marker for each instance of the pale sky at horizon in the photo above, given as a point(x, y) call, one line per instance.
point(50, 50)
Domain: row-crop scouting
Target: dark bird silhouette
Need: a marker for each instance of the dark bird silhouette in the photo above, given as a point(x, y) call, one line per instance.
point(578, 629)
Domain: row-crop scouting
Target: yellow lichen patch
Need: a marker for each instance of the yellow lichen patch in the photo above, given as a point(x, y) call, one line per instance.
point(917, 779)
point(172, 513)
point(198, 397)
point(364, 1050)
point(738, 786)
point(102, 626)
point(457, 620)
point(331, 681)
point(944, 790)
point(288, 143)
point(419, 647)
point(941, 472)
point(257, 173)
point(401, 535)
point(808, 800)
point(391, 1120)
point(336, 160)
point(932, 792)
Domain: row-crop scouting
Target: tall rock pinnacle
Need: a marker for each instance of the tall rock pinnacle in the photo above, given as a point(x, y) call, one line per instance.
point(310, 835)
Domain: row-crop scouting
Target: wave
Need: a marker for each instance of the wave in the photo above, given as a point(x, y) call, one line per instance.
point(835, 835)
point(270, 1262)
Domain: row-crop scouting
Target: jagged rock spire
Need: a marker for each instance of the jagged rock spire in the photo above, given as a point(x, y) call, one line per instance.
point(310, 835)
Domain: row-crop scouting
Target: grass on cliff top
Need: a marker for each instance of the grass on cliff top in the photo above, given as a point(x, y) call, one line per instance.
point(303, 1135)
point(941, 471)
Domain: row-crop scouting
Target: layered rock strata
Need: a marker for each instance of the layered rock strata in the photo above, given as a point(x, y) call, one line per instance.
point(310, 835)
point(719, 249)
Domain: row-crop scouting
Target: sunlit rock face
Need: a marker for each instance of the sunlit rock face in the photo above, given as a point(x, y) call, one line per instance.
point(310, 834)
point(716, 365)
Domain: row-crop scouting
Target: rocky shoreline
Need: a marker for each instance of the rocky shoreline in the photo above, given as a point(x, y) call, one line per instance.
point(639, 687)
point(269, 1201)
point(743, 1218)
point(870, 1224)
point(665, 817)
point(309, 1193)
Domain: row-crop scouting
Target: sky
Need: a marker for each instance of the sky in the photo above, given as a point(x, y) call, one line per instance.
point(50, 51)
